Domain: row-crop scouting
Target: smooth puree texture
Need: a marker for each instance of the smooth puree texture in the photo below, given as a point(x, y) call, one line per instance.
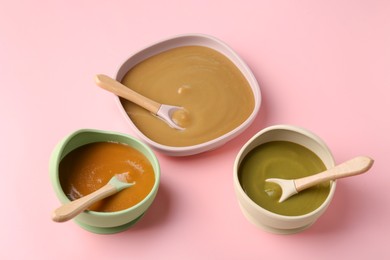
point(287, 160)
point(215, 95)
point(91, 166)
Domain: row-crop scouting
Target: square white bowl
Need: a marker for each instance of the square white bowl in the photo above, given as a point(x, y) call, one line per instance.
point(192, 40)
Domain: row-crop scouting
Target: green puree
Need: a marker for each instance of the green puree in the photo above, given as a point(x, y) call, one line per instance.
point(287, 160)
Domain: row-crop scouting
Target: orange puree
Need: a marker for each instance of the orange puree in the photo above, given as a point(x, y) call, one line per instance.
point(91, 166)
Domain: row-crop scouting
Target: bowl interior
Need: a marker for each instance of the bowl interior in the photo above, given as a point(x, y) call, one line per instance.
point(192, 40)
point(291, 134)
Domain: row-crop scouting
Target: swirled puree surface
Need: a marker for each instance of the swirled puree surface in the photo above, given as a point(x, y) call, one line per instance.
point(89, 167)
point(215, 95)
point(286, 160)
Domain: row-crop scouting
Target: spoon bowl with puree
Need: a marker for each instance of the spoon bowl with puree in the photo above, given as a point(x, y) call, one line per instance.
point(349, 168)
point(176, 117)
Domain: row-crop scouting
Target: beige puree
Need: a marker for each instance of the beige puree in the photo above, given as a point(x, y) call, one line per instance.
point(215, 95)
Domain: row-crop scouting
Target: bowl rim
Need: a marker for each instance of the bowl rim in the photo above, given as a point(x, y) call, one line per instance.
point(240, 156)
point(249, 76)
point(57, 156)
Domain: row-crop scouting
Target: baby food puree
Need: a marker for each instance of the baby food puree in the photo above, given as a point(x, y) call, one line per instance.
point(91, 166)
point(215, 95)
point(287, 160)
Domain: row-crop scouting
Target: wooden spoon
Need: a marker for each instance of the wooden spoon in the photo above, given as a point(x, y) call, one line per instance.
point(75, 207)
point(163, 111)
point(352, 167)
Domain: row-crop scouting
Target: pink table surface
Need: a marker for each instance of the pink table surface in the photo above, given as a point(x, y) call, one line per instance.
point(322, 65)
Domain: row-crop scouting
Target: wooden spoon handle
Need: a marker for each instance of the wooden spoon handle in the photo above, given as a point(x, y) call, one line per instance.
point(352, 167)
point(75, 207)
point(123, 91)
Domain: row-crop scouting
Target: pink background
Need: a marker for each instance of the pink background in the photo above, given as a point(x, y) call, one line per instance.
point(322, 65)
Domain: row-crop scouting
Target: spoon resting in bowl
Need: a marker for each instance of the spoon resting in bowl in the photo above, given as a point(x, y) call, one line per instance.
point(352, 167)
point(166, 112)
point(75, 207)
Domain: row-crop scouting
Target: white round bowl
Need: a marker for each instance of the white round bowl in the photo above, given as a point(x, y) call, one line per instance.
point(266, 219)
point(192, 40)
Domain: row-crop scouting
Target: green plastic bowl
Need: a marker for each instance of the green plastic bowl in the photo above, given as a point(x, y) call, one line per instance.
point(103, 222)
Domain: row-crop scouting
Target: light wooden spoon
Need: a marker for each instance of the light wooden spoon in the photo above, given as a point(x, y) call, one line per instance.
point(75, 207)
point(352, 167)
point(163, 111)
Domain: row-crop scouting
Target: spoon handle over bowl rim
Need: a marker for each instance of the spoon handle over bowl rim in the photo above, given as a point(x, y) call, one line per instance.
point(123, 91)
point(75, 207)
point(352, 167)
point(162, 111)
